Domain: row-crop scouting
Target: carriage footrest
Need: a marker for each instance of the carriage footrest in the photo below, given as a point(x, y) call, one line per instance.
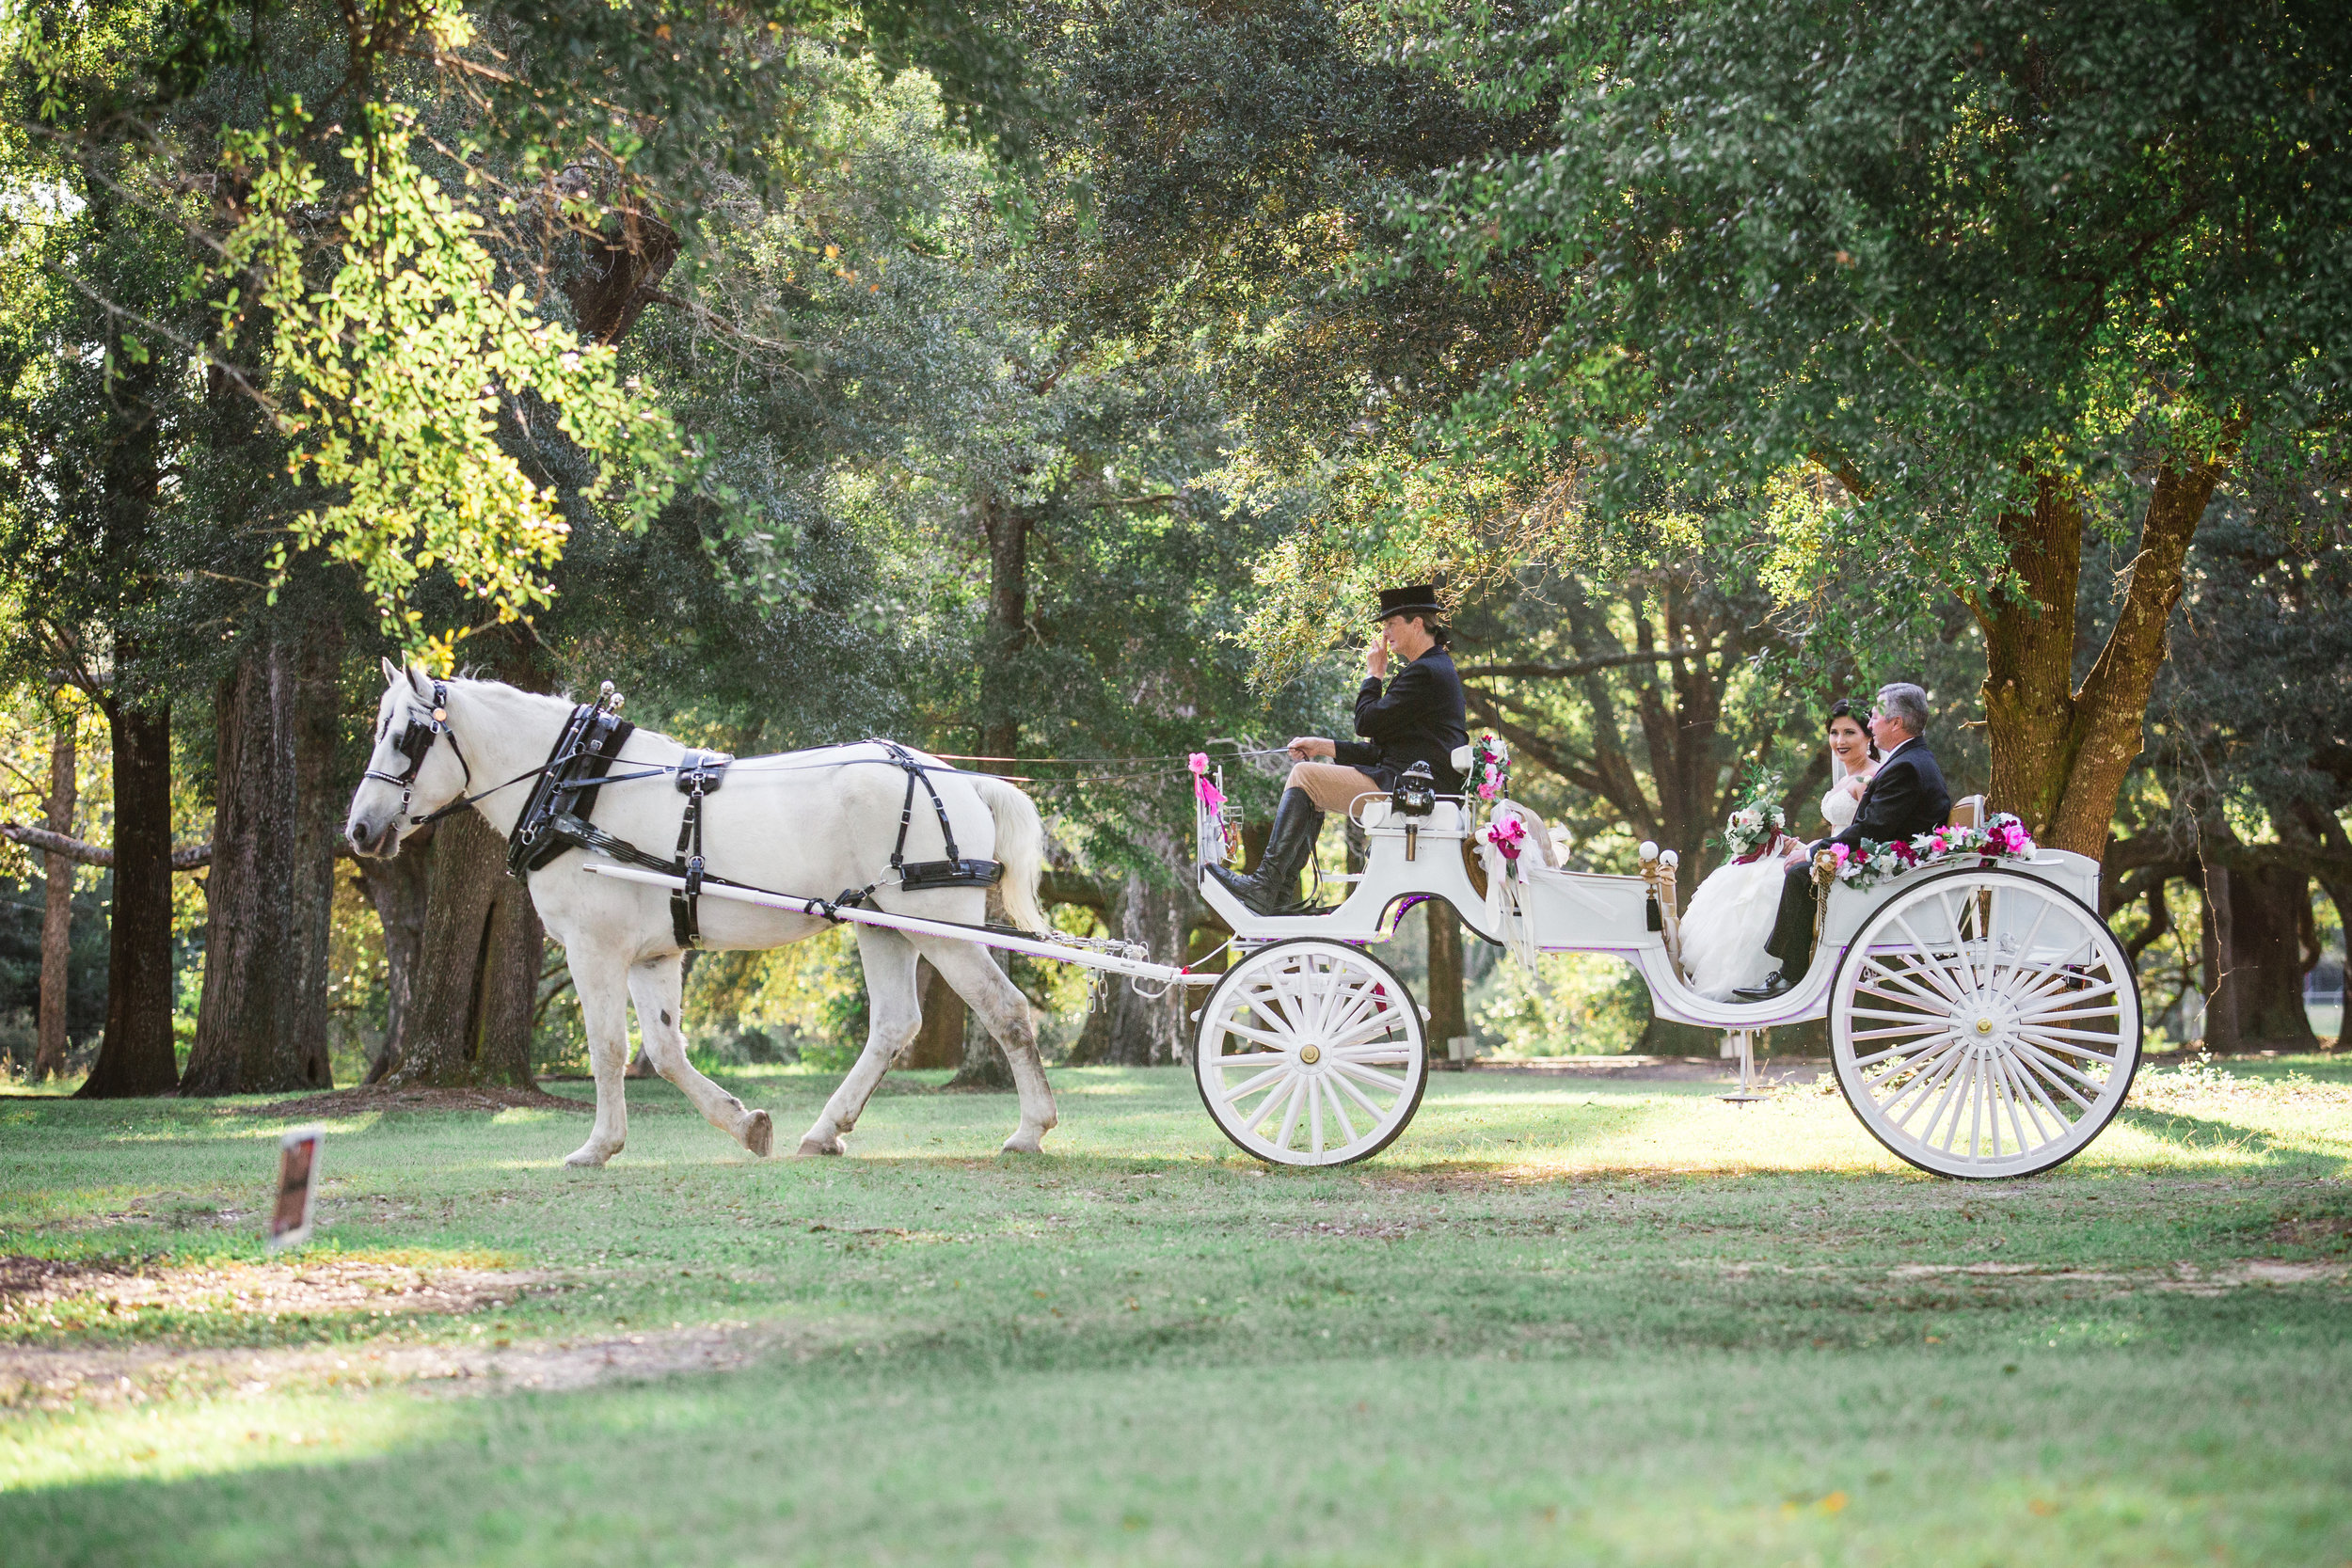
point(917, 874)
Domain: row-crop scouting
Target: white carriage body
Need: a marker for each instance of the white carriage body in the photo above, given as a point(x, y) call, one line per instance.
point(1533, 909)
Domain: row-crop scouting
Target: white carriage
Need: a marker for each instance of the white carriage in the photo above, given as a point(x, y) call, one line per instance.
point(1983, 1020)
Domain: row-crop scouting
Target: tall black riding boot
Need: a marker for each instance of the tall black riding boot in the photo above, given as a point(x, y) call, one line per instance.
point(1272, 888)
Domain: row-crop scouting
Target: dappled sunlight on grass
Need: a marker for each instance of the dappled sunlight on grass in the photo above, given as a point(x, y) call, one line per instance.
point(1558, 1320)
point(175, 1441)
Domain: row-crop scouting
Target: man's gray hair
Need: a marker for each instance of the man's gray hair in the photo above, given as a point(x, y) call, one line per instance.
point(1907, 702)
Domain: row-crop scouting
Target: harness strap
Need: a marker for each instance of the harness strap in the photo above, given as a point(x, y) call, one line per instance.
point(416, 743)
point(573, 771)
point(955, 871)
point(848, 897)
point(698, 774)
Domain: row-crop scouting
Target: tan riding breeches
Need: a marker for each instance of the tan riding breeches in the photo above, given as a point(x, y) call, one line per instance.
point(1331, 785)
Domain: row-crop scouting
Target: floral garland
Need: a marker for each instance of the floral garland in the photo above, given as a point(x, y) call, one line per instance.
point(1489, 770)
point(1756, 825)
point(2004, 837)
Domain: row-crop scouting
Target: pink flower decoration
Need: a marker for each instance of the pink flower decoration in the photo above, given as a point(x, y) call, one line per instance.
point(1210, 796)
point(1507, 835)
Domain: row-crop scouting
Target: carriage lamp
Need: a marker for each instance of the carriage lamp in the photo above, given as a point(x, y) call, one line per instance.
point(1414, 797)
point(1416, 791)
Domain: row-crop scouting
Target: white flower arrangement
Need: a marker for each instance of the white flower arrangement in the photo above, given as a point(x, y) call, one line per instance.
point(2003, 838)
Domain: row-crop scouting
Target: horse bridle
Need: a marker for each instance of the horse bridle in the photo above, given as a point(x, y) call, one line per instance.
point(416, 743)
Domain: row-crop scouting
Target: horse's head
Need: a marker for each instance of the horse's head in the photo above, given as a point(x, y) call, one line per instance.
point(415, 767)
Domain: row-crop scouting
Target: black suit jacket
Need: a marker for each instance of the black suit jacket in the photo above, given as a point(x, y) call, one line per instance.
point(1419, 717)
point(1903, 800)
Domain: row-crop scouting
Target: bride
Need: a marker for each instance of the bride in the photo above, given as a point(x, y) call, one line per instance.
point(1730, 917)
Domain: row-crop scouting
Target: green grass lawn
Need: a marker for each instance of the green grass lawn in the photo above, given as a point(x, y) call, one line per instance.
point(1558, 1322)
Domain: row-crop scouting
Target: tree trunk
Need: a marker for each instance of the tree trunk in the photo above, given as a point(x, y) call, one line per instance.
point(940, 1041)
point(1008, 529)
point(397, 889)
point(2214, 938)
point(983, 1066)
point(2259, 942)
point(1127, 1029)
point(136, 1056)
point(261, 1023)
point(56, 915)
point(1446, 1018)
point(470, 1004)
point(2059, 754)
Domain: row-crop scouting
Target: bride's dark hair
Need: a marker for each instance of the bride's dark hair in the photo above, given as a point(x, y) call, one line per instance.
point(1843, 708)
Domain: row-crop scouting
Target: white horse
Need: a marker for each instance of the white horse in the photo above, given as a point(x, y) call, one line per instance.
point(812, 823)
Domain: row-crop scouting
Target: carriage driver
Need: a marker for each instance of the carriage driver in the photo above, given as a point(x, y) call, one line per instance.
point(1419, 718)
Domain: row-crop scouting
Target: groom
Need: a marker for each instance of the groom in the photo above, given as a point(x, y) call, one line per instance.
point(1905, 799)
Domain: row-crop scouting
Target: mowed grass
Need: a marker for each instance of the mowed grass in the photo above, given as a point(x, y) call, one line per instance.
point(1560, 1322)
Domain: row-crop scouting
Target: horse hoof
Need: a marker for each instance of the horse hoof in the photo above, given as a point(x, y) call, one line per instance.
point(588, 1154)
point(1023, 1144)
point(760, 1136)
point(810, 1147)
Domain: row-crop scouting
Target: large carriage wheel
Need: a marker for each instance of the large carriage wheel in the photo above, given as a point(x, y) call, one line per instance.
point(1985, 1023)
point(1309, 1053)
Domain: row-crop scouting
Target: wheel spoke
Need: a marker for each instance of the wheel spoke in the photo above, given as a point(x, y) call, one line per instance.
point(1915, 1017)
point(1343, 1081)
point(1920, 1090)
point(2021, 1095)
point(2094, 1036)
point(1289, 1113)
point(1929, 996)
point(2032, 1080)
point(1930, 967)
point(1919, 1066)
point(1363, 1074)
point(1339, 1110)
point(1925, 1026)
point(1385, 1053)
point(2056, 1073)
point(1913, 1048)
point(1268, 1076)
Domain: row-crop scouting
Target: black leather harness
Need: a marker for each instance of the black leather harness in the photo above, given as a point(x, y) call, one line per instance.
point(566, 788)
point(556, 818)
point(955, 871)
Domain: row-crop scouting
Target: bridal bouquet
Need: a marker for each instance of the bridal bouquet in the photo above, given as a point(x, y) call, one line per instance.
point(1756, 825)
point(2004, 837)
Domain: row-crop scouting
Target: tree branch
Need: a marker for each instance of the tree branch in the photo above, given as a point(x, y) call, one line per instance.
point(1583, 666)
point(193, 857)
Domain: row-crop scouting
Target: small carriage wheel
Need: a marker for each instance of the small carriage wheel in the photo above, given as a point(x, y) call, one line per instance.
point(1985, 1023)
point(1309, 1053)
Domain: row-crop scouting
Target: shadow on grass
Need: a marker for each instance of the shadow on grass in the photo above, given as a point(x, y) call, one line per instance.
point(2013, 1453)
point(2243, 1145)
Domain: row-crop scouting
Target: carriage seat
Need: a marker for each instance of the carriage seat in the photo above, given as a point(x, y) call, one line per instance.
point(1968, 812)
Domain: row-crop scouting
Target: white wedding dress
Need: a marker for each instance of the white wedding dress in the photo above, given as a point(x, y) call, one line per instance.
point(1731, 915)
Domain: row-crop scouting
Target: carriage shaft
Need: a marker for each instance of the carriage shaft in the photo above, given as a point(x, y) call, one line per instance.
point(1109, 962)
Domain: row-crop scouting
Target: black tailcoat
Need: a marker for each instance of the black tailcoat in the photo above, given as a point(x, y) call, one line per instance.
point(1419, 717)
point(1905, 798)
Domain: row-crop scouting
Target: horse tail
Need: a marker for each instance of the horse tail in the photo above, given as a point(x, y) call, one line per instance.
point(1020, 848)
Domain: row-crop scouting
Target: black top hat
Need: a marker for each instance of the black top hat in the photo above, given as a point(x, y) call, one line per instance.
point(1400, 601)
